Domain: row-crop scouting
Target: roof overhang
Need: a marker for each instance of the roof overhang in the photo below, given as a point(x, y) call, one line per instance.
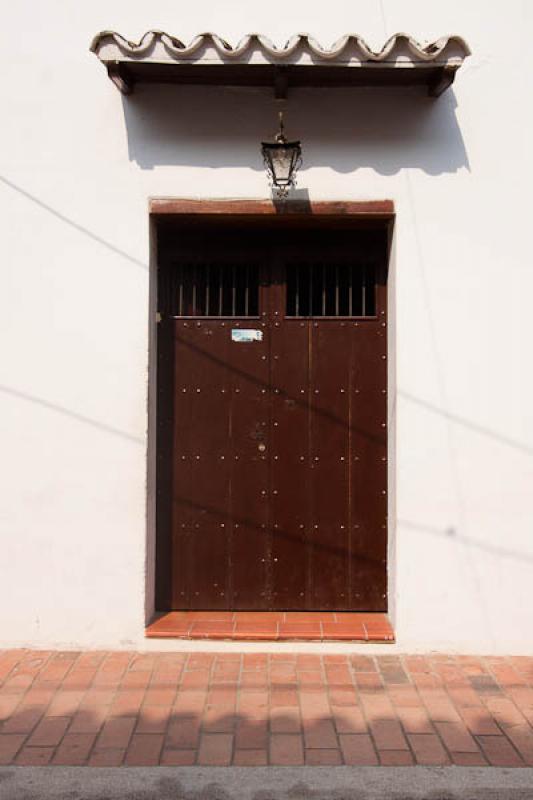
point(255, 61)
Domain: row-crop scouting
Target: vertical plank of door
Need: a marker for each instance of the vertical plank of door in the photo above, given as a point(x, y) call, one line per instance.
point(181, 512)
point(290, 497)
point(369, 462)
point(164, 463)
point(329, 409)
point(248, 367)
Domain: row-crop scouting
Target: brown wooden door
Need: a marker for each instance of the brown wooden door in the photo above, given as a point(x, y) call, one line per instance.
point(272, 473)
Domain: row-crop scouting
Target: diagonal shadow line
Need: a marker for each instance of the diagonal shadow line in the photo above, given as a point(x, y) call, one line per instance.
point(378, 439)
point(281, 532)
point(467, 423)
point(73, 224)
point(449, 533)
point(68, 413)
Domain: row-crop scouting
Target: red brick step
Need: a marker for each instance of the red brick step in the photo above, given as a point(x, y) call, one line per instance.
point(272, 626)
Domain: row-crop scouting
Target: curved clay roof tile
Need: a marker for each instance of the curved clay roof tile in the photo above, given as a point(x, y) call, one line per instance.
point(392, 47)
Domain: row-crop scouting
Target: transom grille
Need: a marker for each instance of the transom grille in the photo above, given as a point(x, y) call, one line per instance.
point(331, 290)
point(209, 290)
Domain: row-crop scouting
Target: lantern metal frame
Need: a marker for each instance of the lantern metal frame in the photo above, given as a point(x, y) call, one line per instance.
point(281, 185)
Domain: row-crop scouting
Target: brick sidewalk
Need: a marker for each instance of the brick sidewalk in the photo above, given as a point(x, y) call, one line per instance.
point(107, 709)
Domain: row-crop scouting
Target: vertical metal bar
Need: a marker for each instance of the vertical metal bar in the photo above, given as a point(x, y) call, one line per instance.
point(363, 292)
point(169, 291)
point(336, 290)
point(350, 290)
point(233, 291)
point(310, 290)
point(180, 312)
point(297, 297)
point(246, 290)
point(323, 290)
point(220, 290)
point(207, 287)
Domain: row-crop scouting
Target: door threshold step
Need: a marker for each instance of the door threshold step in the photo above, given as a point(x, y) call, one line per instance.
point(321, 626)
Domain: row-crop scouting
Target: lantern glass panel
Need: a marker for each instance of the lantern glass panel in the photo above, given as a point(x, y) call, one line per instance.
point(282, 161)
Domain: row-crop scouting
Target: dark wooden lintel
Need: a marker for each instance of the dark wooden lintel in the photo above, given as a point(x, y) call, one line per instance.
point(370, 208)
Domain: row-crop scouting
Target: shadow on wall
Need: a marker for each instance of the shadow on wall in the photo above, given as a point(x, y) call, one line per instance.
point(343, 129)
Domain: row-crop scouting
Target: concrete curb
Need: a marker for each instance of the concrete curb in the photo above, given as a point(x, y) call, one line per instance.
point(266, 783)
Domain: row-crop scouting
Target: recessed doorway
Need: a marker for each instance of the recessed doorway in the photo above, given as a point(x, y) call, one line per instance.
point(272, 412)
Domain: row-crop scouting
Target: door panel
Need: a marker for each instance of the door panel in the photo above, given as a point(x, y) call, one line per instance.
point(202, 418)
point(220, 418)
point(272, 452)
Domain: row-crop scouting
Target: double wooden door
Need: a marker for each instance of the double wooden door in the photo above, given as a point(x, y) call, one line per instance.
point(272, 415)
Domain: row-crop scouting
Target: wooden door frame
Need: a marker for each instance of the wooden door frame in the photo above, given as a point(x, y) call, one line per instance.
point(288, 212)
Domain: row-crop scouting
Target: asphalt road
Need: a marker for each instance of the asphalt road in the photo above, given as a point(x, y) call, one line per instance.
point(265, 783)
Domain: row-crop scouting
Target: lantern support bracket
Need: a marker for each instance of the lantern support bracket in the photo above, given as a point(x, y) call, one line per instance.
point(281, 84)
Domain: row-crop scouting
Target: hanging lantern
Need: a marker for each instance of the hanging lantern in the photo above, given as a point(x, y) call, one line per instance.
point(282, 160)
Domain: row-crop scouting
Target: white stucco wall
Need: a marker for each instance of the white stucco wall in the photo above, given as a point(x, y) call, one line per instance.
point(78, 163)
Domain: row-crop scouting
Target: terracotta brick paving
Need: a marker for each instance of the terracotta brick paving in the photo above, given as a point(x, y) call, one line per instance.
point(109, 709)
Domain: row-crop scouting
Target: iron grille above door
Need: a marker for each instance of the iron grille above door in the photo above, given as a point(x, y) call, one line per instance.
point(209, 290)
point(331, 290)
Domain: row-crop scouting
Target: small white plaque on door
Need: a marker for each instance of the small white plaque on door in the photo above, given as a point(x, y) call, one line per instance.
point(246, 335)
